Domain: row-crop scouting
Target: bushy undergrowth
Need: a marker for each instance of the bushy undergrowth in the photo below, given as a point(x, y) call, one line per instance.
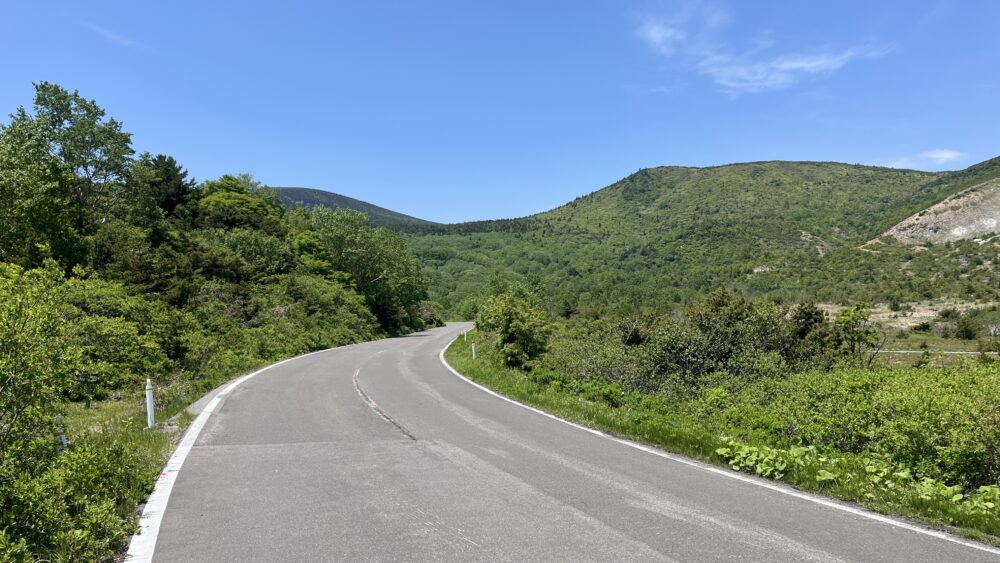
point(781, 392)
point(940, 423)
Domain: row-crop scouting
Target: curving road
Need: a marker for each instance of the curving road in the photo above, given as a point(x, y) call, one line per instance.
point(378, 452)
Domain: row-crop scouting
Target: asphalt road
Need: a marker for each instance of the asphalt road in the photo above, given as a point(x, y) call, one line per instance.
point(378, 452)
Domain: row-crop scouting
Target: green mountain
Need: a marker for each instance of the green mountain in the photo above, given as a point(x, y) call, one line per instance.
point(309, 197)
point(662, 236)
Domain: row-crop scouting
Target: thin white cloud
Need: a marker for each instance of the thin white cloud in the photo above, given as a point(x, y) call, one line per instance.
point(662, 38)
point(927, 159)
point(112, 37)
point(737, 76)
point(692, 38)
point(943, 156)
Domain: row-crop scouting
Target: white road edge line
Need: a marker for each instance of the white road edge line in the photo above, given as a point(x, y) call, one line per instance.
point(732, 474)
point(143, 543)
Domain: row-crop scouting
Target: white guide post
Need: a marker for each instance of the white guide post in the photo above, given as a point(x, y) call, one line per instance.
point(150, 413)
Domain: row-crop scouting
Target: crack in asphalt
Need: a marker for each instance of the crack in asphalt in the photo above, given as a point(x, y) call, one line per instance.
point(374, 406)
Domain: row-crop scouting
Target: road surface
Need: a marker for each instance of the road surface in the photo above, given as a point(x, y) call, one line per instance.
point(378, 452)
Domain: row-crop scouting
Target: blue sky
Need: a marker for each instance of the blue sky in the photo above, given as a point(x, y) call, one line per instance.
point(468, 110)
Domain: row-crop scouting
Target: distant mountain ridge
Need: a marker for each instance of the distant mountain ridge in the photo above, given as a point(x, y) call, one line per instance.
point(311, 197)
point(666, 235)
point(792, 230)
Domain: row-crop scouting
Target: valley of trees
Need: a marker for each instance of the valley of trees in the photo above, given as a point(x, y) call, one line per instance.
point(117, 267)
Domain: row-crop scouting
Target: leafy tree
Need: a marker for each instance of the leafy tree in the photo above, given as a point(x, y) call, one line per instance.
point(36, 366)
point(229, 210)
point(242, 184)
point(268, 254)
point(806, 319)
point(376, 258)
point(740, 331)
point(967, 328)
point(861, 338)
point(94, 151)
point(516, 323)
point(36, 215)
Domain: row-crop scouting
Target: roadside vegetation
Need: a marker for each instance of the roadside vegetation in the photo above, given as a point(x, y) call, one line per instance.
point(117, 267)
point(783, 392)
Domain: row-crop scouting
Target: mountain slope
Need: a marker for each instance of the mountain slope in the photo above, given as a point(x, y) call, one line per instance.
point(666, 235)
point(971, 213)
point(309, 197)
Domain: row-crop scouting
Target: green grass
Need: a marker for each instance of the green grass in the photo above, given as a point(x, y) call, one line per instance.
point(122, 420)
point(873, 483)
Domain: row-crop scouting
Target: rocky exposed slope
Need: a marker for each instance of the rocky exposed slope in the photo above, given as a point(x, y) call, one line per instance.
point(973, 213)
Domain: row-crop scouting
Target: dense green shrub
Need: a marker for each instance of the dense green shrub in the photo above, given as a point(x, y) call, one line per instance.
point(36, 365)
point(266, 253)
point(727, 339)
point(941, 423)
point(516, 325)
point(230, 210)
point(66, 508)
point(115, 352)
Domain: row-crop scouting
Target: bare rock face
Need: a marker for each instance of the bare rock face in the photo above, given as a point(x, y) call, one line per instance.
point(972, 214)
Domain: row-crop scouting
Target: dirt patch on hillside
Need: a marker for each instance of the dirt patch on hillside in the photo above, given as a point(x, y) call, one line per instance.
point(974, 213)
point(915, 313)
point(822, 247)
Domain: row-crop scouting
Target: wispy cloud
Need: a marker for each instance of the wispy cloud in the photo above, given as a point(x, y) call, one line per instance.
point(112, 37)
point(934, 158)
point(663, 39)
point(943, 156)
point(693, 37)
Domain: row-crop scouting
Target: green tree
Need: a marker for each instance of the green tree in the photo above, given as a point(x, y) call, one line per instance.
point(967, 328)
point(36, 366)
point(229, 210)
point(516, 323)
point(95, 152)
point(377, 259)
point(860, 338)
point(170, 187)
point(36, 215)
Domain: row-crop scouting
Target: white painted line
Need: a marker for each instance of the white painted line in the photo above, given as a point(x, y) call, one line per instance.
point(732, 474)
point(141, 548)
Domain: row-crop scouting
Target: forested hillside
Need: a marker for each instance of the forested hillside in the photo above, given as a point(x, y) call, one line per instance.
point(664, 236)
point(116, 267)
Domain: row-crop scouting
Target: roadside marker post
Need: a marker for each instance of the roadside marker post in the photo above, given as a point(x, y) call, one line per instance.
point(473, 351)
point(150, 413)
point(89, 382)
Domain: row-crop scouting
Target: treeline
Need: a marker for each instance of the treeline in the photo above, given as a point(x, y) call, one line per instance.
point(117, 267)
